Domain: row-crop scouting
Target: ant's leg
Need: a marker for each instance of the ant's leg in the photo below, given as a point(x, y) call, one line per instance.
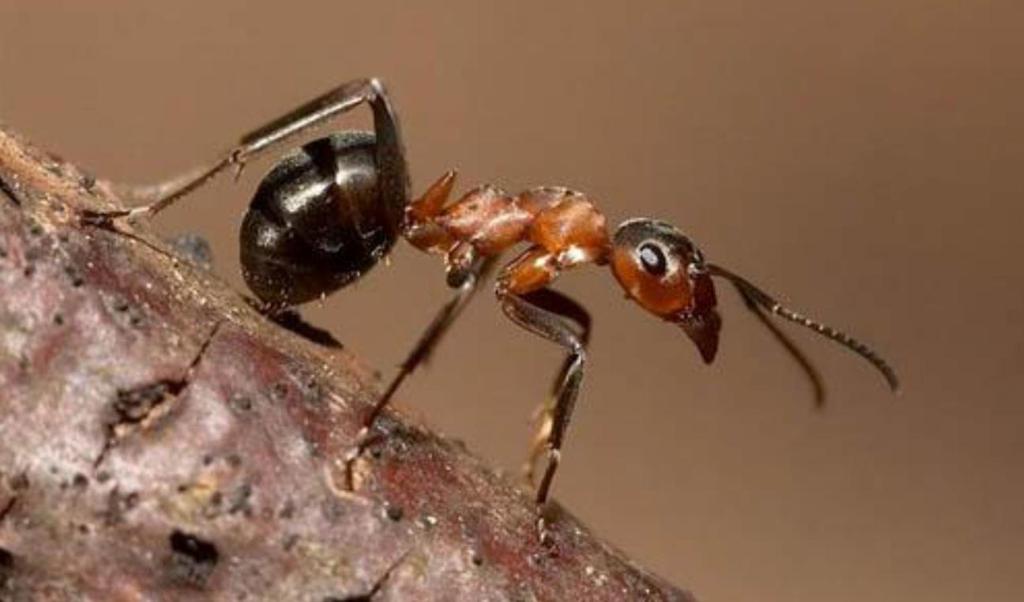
point(560, 304)
point(390, 153)
point(467, 284)
point(138, 194)
point(438, 326)
point(553, 326)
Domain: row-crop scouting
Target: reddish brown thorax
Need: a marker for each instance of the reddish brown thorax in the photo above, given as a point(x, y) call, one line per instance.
point(563, 227)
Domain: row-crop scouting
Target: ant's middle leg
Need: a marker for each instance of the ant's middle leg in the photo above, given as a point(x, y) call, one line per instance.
point(390, 153)
point(466, 280)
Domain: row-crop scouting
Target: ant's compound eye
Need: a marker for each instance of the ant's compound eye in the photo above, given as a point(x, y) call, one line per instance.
point(653, 259)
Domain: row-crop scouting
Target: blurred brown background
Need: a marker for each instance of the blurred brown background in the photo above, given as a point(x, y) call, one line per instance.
point(863, 161)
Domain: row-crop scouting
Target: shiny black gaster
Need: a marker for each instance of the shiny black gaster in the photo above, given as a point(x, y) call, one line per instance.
point(318, 220)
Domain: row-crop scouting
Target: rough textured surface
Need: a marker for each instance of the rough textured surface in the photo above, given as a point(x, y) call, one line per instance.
point(161, 440)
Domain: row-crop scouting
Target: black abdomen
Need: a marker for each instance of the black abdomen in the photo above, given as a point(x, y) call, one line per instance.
point(317, 221)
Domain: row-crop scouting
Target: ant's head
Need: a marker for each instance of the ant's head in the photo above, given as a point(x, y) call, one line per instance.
point(665, 273)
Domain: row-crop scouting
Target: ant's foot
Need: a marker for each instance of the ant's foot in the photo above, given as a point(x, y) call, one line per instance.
point(103, 219)
point(364, 439)
point(544, 536)
point(107, 219)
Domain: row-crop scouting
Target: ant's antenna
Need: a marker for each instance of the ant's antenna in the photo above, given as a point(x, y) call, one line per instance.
point(758, 299)
point(817, 384)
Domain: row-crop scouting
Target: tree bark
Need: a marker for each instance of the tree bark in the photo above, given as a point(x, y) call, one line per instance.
point(161, 440)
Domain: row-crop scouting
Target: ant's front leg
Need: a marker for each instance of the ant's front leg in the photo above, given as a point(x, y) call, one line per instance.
point(390, 153)
point(554, 302)
point(547, 313)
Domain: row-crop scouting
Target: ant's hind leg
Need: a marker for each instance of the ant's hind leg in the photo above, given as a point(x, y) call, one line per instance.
point(144, 194)
point(390, 153)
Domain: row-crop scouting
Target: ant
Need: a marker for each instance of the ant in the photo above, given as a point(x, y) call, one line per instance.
point(329, 211)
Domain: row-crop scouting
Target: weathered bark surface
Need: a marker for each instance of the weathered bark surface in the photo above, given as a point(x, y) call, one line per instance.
point(161, 440)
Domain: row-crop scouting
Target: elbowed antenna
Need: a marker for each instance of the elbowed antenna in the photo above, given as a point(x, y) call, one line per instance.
point(761, 299)
point(798, 355)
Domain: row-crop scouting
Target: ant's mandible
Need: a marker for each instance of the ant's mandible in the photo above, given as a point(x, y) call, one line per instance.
point(328, 212)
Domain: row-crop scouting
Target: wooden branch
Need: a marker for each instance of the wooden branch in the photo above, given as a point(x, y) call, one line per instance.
point(161, 440)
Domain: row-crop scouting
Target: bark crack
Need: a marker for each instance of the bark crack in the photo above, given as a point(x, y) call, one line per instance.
point(8, 507)
point(137, 408)
point(8, 192)
point(18, 483)
point(377, 585)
